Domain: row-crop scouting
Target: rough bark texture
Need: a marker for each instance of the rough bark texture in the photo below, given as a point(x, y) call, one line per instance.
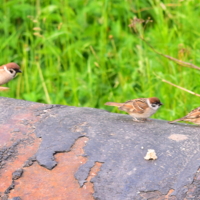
point(62, 152)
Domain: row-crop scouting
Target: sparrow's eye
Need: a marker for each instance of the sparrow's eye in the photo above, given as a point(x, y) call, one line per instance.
point(11, 71)
point(153, 105)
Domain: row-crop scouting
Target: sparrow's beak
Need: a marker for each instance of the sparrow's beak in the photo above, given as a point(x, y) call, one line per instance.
point(161, 104)
point(18, 71)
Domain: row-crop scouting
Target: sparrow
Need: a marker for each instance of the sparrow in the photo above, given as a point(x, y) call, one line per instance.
point(140, 108)
point(8, 72)
point(193, 116)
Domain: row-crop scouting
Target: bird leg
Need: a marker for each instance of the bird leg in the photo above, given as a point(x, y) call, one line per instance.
point(136, 120)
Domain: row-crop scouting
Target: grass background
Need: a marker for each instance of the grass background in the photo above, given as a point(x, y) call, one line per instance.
point(82, 52)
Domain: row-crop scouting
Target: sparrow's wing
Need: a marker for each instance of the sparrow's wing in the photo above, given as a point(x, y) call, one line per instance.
point(193, 114)
point(134, 106)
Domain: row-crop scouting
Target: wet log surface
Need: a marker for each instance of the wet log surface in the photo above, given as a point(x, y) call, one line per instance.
point(64, 152)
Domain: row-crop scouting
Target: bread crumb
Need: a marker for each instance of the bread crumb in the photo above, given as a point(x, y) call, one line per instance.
point(151, 155)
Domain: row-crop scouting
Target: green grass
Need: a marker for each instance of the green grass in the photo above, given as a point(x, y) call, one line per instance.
point(82, 52)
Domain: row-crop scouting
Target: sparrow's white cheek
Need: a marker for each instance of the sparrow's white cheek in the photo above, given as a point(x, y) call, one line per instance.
point(155, 107)
point(5, 68)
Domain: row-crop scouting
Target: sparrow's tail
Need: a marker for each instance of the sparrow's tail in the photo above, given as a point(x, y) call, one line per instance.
point(113, 104)
point(176, 120)
point(4, 88)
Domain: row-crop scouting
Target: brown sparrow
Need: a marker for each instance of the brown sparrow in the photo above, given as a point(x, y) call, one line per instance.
point(141, 108)
point(193, 116)
point(8, 72)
